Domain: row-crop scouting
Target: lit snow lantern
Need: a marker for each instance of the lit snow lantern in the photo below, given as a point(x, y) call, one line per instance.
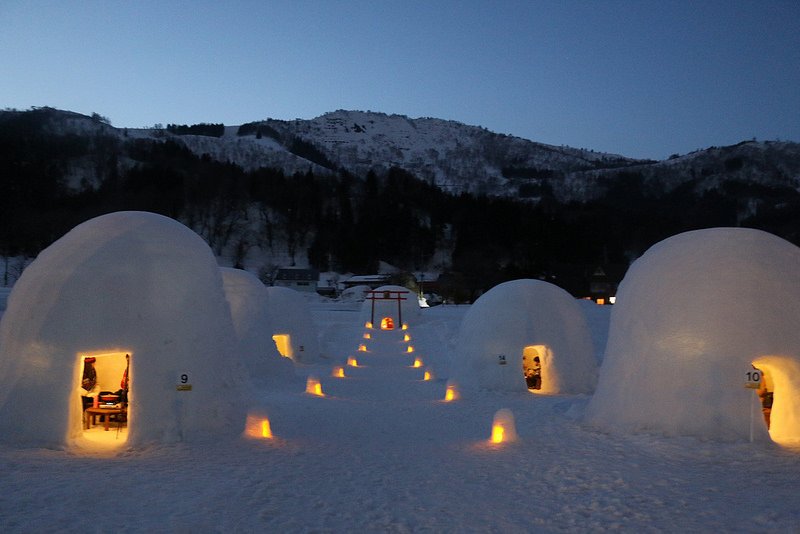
point(352, 362)
point(313, 387)
point(338, 372)
point(258, 426)
point(503, 427)
point(451, 393)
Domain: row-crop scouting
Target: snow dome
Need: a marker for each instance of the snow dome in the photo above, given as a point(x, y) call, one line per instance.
point(389, 307)
point(515, 322)
point(693, 316)
point(127, 283)
point(292, 326)
point(249, 301)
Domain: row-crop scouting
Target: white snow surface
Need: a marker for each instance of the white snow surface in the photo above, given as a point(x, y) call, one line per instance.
point(692, 315)
point(379, 452)
point(517, 314)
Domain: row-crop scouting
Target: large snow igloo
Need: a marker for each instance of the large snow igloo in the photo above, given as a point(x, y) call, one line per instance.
point(125, 283)
point(514, 322)
point(693, 316)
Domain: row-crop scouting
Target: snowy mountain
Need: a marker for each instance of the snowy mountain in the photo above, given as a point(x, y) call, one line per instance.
point(459, 158)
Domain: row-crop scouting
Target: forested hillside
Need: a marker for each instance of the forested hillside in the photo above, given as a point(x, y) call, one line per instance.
point(52, 178)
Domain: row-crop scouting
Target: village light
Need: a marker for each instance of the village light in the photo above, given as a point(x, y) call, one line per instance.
point(405, 327)
point(352, 362)
point(313, 387)
point(428, 375)
point(367, 335)
point(338, 372)
point(410, 349)
point(362, 348)
point(417, 362)
point(368, 325)
point(406, 338)
point(503, 427)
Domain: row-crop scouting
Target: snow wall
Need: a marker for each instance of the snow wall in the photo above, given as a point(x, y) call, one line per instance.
point(519, 314)
point(133, 282)
point(249, 301)
point(691, 316)
point(288, 313)
point(409, 307)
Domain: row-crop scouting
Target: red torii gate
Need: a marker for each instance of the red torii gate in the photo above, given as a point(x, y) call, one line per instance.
point(374, 295)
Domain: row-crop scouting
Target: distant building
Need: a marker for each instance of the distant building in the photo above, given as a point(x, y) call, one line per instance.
point(374, 281)
point(298, 279)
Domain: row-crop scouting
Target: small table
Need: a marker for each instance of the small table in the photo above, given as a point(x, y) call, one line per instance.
point(92, 413)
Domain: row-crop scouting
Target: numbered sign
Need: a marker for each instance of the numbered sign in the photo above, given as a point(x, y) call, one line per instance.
point(501, 359)
point(183, 383)
point(752, 379)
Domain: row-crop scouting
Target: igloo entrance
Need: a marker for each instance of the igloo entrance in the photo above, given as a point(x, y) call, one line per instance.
point(104, 388)
point(534, 358)
point(778, 397)
point(283, 342)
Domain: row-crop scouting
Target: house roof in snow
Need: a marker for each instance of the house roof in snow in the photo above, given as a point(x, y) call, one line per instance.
point(298, 275)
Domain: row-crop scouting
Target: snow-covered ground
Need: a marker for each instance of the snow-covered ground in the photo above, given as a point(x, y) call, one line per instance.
point(382, 452)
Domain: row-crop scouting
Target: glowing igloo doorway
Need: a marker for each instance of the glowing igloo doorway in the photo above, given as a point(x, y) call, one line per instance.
point(780, 381)
point(104, 391)
point(283, 342)
point(534, 360)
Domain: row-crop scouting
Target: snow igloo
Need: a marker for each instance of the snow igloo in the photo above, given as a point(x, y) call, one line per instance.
point(512, 324)
point(250, 301)
point(390, 307)
point(292, 326)
point(694, 316)
point(141, 296)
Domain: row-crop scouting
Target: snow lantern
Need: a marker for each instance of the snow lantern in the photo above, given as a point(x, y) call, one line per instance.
point(693, 316)
point(260, 348)
point(390, 307)
point(293, 329)
point(512, 325)
point(504, 429)
point(127, 283)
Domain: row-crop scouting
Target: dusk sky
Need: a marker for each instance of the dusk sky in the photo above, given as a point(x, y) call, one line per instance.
point(640, 78)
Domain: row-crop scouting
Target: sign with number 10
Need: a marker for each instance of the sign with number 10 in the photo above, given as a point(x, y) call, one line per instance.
point(753, 379)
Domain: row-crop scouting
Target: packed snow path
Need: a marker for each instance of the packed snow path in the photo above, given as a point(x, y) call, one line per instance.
point(382, 452)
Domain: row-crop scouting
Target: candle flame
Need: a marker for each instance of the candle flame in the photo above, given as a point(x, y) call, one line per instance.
point(498, 433)
point(266, 430)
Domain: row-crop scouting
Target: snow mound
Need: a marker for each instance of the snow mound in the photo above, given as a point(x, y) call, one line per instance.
point(518, 320)
point(290, 315)
point(250, 303)
point(128, 282)
point(692, 315)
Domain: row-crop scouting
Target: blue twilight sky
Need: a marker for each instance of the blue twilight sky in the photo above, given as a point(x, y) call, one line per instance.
point(642, 78)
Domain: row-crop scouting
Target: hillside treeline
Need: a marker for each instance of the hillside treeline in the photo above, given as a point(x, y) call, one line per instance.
point(51, 182)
